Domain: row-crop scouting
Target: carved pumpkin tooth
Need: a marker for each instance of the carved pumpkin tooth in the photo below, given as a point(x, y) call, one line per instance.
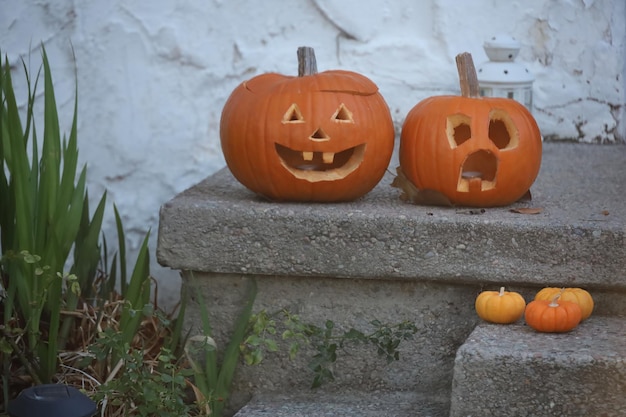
point(307, 156)
point(328, 157)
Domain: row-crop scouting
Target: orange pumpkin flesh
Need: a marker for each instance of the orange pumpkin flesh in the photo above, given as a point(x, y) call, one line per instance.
point(316, 137)
point(501, 307)
point(476, 151)
point(552, 316)
point(575, 295)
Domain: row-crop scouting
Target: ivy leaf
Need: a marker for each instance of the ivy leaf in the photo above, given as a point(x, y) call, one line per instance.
point(354, 334)
point(253, 357)
point(272, 346)
point(294, 348)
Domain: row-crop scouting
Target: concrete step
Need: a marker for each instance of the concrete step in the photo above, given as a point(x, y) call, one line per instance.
point(578, 239)
point(515, 371)
point(382, 258)
point(344, 404)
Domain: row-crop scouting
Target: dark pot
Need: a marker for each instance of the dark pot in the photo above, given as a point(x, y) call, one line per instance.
point(51, 400)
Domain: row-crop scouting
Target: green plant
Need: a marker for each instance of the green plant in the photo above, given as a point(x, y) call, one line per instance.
point(325, 341)
point(141, 387)
point(213, 373)
point(254, 335)
point(151, 372)
point(45, 226)
point(45, 213)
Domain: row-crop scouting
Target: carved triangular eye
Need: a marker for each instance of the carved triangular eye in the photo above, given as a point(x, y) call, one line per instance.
point(342, 115)
point(293, 115)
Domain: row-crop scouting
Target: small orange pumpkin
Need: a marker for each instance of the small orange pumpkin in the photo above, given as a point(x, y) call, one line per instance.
point(476, 151)
point(552, 316)
point(575, 295)
point(320, 137)
point(500, 306)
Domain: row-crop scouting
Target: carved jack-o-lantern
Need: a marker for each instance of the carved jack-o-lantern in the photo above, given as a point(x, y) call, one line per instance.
point(316, 137)
point(476, 151)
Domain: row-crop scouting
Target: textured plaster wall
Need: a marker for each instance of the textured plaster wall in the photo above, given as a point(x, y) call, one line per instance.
point(154, 75)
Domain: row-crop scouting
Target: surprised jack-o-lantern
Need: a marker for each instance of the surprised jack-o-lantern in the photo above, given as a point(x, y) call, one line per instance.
point(317, 137)
point(474, 150)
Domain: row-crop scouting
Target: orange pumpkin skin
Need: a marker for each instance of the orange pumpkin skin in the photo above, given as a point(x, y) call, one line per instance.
point(552, 316)
point(575, 295)
point(278, 134)
point(502, 307)
point(446, 140)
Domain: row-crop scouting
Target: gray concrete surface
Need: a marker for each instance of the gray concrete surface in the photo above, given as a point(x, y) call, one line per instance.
point(516, 371)
point(578, 239)
point(381, 258)
point(345, 404)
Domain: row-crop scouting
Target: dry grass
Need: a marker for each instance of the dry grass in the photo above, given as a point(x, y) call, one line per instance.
point(79, 368)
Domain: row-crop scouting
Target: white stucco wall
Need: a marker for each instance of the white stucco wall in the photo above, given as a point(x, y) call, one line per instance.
point(154, 75)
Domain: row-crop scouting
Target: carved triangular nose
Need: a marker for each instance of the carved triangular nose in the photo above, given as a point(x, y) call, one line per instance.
point(319, 135)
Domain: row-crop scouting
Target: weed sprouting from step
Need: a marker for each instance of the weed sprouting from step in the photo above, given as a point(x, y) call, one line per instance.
point(327, 342)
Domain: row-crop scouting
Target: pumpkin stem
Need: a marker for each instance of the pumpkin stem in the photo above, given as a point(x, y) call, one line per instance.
point(467, 75)
point(553, 302)
point(501, 291)
point(307, 65)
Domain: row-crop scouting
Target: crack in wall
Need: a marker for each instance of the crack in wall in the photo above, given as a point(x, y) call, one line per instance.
point(610, 134)
point(343, 33)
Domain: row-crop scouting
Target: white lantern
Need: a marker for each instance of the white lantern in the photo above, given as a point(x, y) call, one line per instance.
point(501, 76)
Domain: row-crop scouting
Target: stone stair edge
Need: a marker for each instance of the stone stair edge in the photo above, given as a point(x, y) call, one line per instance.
point(345, 403)
point(514, 368)
point(218, 226)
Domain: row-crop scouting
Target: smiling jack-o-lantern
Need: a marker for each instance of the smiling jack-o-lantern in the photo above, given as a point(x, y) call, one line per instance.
point(476, 151)
point(316, 137)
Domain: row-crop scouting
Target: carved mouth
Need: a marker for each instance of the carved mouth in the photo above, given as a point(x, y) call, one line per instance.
point(478, 172)
point(321, 166)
